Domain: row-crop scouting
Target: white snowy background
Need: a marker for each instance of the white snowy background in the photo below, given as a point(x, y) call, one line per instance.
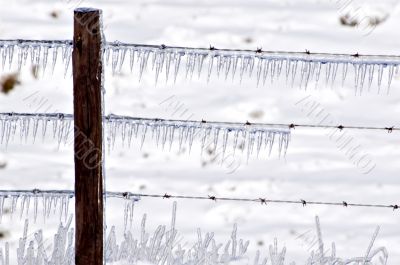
point(314, 167)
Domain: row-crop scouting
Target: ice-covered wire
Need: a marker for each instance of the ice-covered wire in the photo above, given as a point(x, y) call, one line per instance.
point(38, 52)
point(265, 201)
point(302, 68)
point(119, 118)
point(69, 193)
point(51, 202)
point(137, 196)
point(249, 138)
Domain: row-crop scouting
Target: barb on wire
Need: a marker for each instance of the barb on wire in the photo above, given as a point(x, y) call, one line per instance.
point(300, 68)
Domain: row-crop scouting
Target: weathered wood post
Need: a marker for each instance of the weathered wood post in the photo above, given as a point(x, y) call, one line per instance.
point(88, 136)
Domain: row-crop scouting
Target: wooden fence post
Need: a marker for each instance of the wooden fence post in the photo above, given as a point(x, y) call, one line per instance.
point(88, 136)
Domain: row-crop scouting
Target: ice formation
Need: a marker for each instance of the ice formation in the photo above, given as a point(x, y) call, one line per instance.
point(21, 203)
point(164, 246)
point(37, 53)
point(249, 138)
point(301, 68)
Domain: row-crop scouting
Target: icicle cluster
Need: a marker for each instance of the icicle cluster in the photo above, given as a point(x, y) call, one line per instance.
point(249, 138)
point(38, 53)
point(25, 125)
point(20, 203)
point(52, 202)
point(303, 68)
point(164, 247)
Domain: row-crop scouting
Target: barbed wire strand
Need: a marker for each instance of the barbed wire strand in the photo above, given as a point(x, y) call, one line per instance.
point(138, 196)
point(389, 129)
point(386, 59)
point(70, 193)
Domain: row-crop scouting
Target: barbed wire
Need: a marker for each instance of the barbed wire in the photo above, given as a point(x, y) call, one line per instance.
point(137, 196)
point(388, 59)
point(265, 201)
point(55, 193)
point(55, 116)
point(310, 56)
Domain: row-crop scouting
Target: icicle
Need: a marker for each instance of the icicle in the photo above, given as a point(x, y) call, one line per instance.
point(131, 58)
point(273, 70)
point(344, 72)
point(356, 77)
point(67, 58)
point(334, 72)
point(224, 143)
point(143, 57)
point(250, 65)
point(390, 77)
point(159, 62)
point(363, 72)
point(303, 68)
point(317, 74)
point(45, 55)
point(294, 70)
point(177, 62)
point(168, 62)
point(228, 63)
point(10, 55)
point(310, 74)
point(266, 70)
point(200, 62)
point(122, 59)
point(210, 66)
point(328, 67)
point(54, 59)
point(370, 75)
point(115, 59)
point(380, 74)
point(259, 70)
point(35, 208)
point(235, 60)
point(20, 58)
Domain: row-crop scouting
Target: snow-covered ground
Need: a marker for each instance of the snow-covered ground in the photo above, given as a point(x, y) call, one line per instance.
point(314, 167)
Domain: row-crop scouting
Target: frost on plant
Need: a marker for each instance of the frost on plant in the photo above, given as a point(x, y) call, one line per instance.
point(244, 137)
point(163, 246)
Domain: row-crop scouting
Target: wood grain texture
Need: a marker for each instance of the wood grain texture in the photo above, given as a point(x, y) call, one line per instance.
point(88, 136)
